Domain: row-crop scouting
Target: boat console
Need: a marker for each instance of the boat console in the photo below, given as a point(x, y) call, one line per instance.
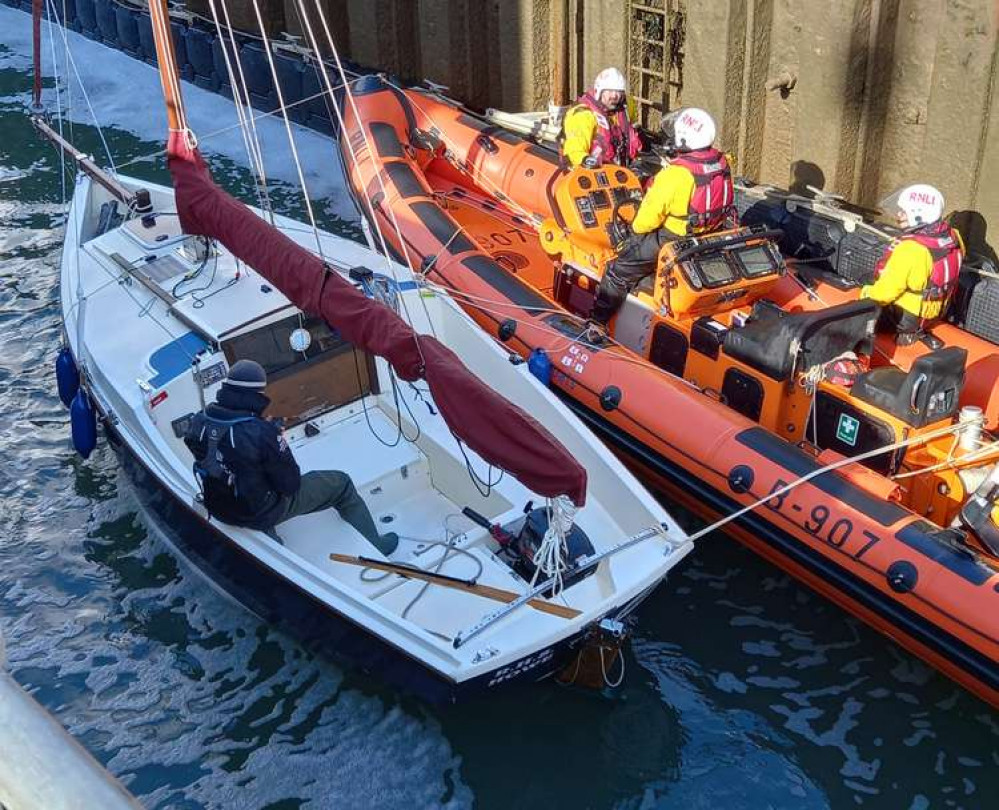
point(706, 275)
point(324, 375)
point(779, 344)
point(588, 214)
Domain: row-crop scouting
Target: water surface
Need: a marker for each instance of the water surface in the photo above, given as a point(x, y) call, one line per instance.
point(743, 688)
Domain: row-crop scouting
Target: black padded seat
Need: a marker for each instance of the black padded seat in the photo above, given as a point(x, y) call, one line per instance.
point(928, 393)
point(771, 342)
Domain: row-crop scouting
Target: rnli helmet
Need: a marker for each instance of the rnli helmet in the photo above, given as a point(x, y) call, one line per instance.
point(915, 205)
point(689, 128)
point(609, 79)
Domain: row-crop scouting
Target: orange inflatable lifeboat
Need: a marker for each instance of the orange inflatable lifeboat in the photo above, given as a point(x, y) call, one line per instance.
point(719, 387)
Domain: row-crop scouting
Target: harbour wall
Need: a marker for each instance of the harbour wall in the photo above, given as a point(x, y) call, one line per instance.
point(855, 97)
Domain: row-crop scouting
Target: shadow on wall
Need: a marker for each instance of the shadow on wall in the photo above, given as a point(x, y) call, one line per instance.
point(804, 173)
point(974, 231)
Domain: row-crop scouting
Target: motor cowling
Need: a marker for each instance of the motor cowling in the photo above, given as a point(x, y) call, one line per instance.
point(528, 539)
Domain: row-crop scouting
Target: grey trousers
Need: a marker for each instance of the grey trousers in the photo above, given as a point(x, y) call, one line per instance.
point(331, 489)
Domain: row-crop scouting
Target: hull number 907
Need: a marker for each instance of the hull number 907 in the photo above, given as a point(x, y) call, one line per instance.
point(820, 522)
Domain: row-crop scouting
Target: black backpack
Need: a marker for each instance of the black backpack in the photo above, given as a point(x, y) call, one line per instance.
point(212, 464)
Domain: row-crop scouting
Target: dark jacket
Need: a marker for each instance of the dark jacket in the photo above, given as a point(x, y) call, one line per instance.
point(263, 471)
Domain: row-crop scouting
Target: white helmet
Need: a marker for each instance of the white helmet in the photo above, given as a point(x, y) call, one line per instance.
point(689, 128)
point(609, 79)
point(920, 204)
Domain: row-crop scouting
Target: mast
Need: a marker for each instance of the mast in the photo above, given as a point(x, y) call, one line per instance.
point(166, 59)
point(84, 162)
point(36, 47)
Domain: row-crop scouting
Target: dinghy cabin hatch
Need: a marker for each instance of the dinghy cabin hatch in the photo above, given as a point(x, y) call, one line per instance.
point(327, 373)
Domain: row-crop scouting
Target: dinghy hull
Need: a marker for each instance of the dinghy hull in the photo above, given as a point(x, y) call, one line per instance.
point(280, 602)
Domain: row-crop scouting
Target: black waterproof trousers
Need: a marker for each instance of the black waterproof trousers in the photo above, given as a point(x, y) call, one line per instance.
point(635, 260)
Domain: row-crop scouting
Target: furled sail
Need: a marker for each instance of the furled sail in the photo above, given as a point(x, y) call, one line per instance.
point(500, 432)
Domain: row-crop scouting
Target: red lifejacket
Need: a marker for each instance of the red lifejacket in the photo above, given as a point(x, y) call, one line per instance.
point(713, 200)
point(615, 139)
point(945, 248)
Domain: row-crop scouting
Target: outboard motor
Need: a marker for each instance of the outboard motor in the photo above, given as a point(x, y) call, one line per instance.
point(528, 539)
point(519, 542)
point(976, 514)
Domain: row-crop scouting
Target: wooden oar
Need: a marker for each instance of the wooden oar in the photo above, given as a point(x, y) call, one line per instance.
point(487, 591)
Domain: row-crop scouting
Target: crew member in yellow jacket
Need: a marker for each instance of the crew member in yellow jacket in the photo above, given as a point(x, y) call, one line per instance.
point(693, 194)
point(917, 275)
point(598, 128)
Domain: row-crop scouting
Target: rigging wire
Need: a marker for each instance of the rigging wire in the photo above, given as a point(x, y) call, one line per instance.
point(86, 97)
point(259, 116)
point(349, 97)
point(49, 14)
point(252, 146)
point(287, 126)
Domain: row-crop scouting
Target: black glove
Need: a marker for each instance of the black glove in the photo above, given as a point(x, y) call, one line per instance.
point(590, 162)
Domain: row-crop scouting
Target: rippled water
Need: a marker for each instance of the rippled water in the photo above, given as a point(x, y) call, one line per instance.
point(743, 689)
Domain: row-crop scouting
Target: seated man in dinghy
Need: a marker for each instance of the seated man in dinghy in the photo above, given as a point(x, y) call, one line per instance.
point(247, 471)
point(693, 195)
point(917, 276)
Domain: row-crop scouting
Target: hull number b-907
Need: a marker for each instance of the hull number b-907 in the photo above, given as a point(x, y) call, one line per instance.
point(820, 522)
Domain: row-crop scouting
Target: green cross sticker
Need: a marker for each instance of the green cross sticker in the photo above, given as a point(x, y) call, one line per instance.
point(847, 429)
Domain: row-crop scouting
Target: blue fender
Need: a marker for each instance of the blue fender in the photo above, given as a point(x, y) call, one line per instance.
point(540, 366)
point(83, 423)
point(67, 376)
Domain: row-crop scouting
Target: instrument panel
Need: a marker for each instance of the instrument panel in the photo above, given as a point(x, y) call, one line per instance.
point(585, 199)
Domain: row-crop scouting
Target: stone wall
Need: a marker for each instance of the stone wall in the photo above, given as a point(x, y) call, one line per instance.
point(852, 96)
point(865, 95)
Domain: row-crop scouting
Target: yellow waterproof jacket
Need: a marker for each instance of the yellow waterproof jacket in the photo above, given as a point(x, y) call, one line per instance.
point(903, 279)
point(579, 126)
point(666, 203)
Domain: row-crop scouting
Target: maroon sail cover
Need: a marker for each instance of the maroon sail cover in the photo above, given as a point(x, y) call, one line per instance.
point(500, 432)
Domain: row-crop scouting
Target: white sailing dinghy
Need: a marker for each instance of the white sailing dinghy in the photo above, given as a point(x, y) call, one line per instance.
point(497, 578)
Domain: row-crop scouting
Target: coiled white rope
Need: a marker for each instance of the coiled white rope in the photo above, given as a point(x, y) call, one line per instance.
point(550, 557)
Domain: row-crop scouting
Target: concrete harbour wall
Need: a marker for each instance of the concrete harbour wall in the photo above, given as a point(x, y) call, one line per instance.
point(852, 96)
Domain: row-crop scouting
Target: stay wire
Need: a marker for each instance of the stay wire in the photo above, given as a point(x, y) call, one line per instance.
point(349, 98)
point(252, 148)
point(287, 125)
point(86, 97)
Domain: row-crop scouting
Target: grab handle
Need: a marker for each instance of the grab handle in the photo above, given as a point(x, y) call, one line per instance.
point(475, 517)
